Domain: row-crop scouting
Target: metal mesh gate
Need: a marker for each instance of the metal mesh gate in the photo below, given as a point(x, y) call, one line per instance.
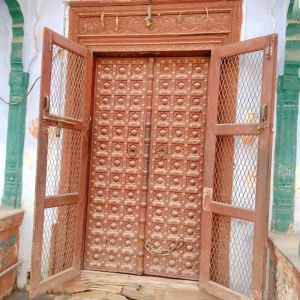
point(62, 163)
point(237, 165)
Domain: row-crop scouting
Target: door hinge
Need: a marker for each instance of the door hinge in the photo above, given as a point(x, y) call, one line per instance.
point(207, 198)
point(269, 50)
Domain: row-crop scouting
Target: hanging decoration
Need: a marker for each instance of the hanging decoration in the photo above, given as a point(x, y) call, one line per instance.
point(102, 19)
point(206, 9)
point(149, 20)
point(179, 19)
point(117, 22)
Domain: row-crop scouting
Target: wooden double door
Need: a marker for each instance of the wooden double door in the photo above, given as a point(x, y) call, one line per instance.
point(147, 153)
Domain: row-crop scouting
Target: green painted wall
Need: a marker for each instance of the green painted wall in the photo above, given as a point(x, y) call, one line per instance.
point(16, 118)
point(286, 129)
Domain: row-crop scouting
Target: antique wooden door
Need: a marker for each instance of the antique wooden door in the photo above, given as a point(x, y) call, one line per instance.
point(62, 162)
point(237, 168)
point(146, 166)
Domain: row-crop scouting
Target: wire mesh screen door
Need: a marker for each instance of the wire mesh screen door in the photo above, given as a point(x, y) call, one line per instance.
point(237, 168)
point(62, 162)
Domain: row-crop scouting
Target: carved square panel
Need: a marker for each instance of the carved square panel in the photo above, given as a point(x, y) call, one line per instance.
point(102, 162)
point(165, 69)
point(100, 179)
point(137, 69)
point(192, 182)
point(194, 149)
point(106, 85)
point(163, 116)
point(159, 197)
point(104, 100)
point(129, 211)
point(107, 69)
point(113, 225)
point(121, 85)
point(193, 166)
point(117, 163)
point(135, 116)
point(104, 116)
point(163, 132)
point(102, 132)
point(179, 117)
point(131, 195)
point(117, 147)
point(195, 133)
point(116, 195)
point(182, 69)
point(182, 85)
point(164, 100)
point(114, 210)
point(116, 178)
point(177, 165)
point(165, 85)
point(118, 132)
point(197, 101)
point(120, 100)
point(174, 213)
point(120, 116)
point(198, 85)
point(132, 163)
point(192, 199)
point(195, 117)
point(178, 149)
point(177, 182)
point(161, 164)
point(136, 100)
point(132, 179)
point(134, 132)
point(122, 70)
point(137, 85)
point(173, 229)
point(178, 133)
point(160, 180)
point(180, 101)
point(200, 70)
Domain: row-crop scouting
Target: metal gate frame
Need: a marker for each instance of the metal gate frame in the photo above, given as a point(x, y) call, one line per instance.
point(67, 200)
point(262, 129)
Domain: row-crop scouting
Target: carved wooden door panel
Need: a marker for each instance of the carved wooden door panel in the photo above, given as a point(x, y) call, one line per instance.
point(237, 168)
point(62, 162)
point(117, 200)
point(172, 238)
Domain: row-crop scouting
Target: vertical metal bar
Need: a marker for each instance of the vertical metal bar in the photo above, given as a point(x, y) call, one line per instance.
point(147, 136)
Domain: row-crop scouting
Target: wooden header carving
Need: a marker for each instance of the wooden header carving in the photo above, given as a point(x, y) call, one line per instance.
point(176, 25)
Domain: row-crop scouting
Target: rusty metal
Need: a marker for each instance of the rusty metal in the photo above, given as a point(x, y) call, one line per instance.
point(176, 162)
point(237, 166)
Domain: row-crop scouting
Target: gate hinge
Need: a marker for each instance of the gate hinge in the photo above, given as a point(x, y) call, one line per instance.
point(207, 198)
point(269, 50)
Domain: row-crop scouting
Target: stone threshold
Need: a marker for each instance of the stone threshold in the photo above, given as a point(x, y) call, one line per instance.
point(114, 286)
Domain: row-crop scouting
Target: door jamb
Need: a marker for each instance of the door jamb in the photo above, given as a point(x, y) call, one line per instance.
point(97, 55)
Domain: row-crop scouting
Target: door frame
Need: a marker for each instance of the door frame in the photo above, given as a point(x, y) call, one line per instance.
point(132, 54)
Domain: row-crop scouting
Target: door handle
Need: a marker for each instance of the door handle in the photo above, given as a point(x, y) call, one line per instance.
point(132, 152)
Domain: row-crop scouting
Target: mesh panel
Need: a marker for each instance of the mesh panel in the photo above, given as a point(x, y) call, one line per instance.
point(236, 170)
point(58, 240)
point(63, 161)
point(67, 84)
point(232, 253)
point(240, 88)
